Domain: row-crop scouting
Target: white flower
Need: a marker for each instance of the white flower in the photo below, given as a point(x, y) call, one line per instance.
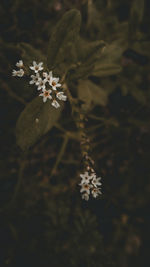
point(47, 76)
point(85, 178)
point(85, 188)
point(85, 196)
point(61, 96)
point(95, 181)
point(46, 94)
point(36, 67)
point(55, 104)
point(18, 73)
point(54, 83)
point(19, 64)
point(96, 192)
point(35, 79)
point(41, 84)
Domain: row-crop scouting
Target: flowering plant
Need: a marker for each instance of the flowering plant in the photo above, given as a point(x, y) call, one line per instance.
point(70, 61)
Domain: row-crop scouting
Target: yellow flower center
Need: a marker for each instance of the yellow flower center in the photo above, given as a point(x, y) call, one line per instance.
point(46, 93)
point(53, 83)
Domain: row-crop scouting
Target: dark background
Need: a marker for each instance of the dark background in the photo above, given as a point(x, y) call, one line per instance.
point(44, 222)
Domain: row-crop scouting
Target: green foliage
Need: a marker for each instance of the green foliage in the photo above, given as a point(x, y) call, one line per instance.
point(107, 69)
point(62, 42)
point(91, 94)
point(35, 121)
point(102, 70)
point(87, 54)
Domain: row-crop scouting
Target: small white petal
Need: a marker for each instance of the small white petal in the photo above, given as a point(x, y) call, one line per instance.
point(31, 82)
point(19, 64)
point(96, 192)
point(44, 74)
point(56, 80)
point(50, 74)
point(20, 73)
point(85, 188)
point(61, 96)
point(95, 181)
point(58, 85)
point(44, 99)
point(54, 88)
point(51, 79)
point(55, 104)
point(14, 73)
point(85, 196)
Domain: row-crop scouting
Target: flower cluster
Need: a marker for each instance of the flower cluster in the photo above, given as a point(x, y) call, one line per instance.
point(19, 72)
point(89, 184)
point(45, 82)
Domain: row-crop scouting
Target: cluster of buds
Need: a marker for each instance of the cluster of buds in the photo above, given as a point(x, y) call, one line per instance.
point(90, 184)
point(45, 83)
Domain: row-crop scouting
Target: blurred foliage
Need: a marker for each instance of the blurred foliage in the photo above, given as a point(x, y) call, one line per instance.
point(102, 50)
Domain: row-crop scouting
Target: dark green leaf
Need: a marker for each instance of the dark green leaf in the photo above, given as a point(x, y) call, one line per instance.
point(89, 51)
point(91, 94)
point(80, 72)
point(102, 70)
point(103, 60)
point(36, 120)
point(61, 52)
point(109, 61)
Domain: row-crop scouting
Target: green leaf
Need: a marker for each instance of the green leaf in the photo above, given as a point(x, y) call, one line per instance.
point(80, 72)
point(91, 94)
point(36, 120)
point(89, 50)
point(109, 62)
point(112, 53)
point(88, 53)
point(61, 51)
point(102, 70)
